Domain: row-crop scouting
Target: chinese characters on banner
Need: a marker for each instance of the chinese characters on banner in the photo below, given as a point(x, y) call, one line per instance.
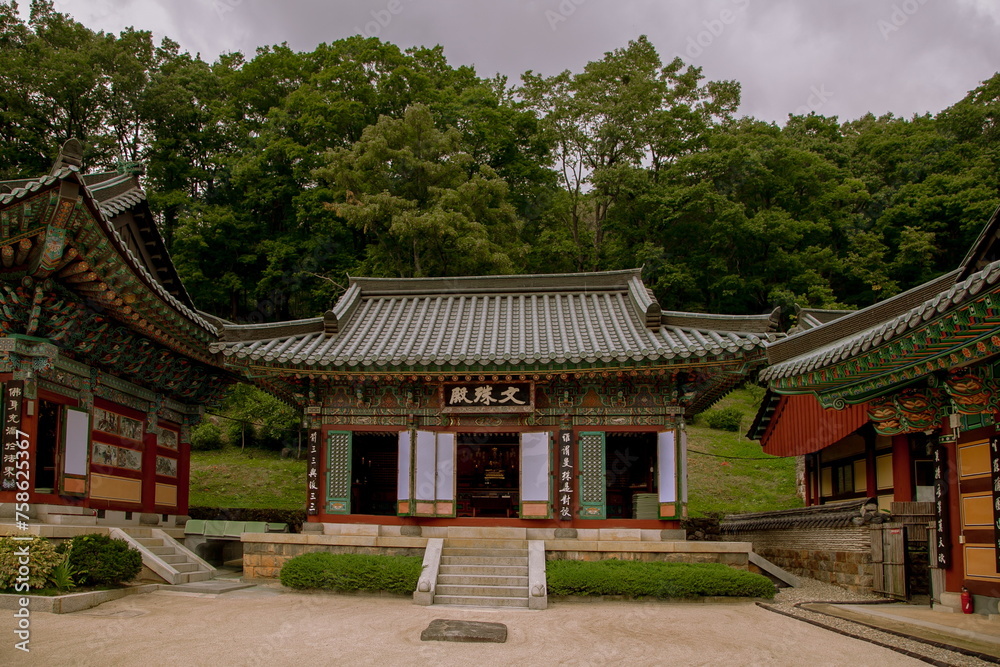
point(487, 397)
point(564, 495)
point(312, 473)
point(941, 492)
point(995, 479)
point(13, 392)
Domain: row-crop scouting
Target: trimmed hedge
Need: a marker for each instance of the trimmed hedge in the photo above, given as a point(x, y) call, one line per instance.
point(352, 572)
point(654, 579)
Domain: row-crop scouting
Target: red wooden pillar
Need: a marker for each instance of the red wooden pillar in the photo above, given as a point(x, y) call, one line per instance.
point(902, 469)
point(955, 575)
point(183, 475)
point(148, 472)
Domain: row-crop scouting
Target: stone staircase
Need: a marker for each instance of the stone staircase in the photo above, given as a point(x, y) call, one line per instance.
point(483, 573)
point(165, 556)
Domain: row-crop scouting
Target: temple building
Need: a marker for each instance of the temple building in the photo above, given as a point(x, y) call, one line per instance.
point(898, 402)
point(500, 400)
point(542, 400)
point(104, 361)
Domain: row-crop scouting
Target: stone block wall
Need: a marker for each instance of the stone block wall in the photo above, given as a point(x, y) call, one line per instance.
point(264, 560)
point(840, 556)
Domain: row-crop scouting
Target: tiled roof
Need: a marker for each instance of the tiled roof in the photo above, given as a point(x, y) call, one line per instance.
point(106, 210)
point(841, 514)
point(487, 320)
point(882, 331)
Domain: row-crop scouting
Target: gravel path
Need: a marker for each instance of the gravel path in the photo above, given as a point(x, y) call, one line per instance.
point(811, 590)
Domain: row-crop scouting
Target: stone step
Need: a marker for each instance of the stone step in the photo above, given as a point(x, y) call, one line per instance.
point(481, 601)
point(173, 558)
point(184, 567)
point(480, 580)
point(72, 519)
point(491, 570)
point(200, 575)
point(149, 541)
point(484, 560)
point(479, 551)
point(482, 591)
point(485, 544)
point(165, 550)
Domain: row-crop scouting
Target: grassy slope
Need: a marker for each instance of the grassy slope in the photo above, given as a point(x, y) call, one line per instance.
point(255, 479)
point(263, 480)
point(731, 486)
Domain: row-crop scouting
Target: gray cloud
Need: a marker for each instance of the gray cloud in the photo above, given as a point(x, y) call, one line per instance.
point(842, 58)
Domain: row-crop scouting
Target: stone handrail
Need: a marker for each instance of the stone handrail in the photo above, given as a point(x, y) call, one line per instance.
point(537, 589)
point(424, 595)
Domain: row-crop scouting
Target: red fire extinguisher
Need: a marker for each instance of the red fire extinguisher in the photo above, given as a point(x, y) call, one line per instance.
point(966, 601)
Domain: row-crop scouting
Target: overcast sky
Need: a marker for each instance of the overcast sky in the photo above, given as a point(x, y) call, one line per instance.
point(837, 57)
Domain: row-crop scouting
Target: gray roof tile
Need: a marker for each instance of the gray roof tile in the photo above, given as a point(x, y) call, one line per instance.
point(491, 320)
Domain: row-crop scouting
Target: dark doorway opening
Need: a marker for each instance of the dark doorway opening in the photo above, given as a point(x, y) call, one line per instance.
point(375, 467)
point(49, 432)
point(630, 471)
point(489, 474)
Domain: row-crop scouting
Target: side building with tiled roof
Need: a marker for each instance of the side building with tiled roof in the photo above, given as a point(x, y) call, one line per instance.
point(104, 361)
point(899, 402)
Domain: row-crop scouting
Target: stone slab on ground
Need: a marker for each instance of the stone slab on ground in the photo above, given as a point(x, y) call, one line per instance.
point(447, 630)
point(212, 586)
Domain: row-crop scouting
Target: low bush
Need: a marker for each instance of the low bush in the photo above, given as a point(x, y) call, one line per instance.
point(206, 436)
point(42, 560)
point(100, 560)
point(725, 419)
point(352, 572)
point(654, 579)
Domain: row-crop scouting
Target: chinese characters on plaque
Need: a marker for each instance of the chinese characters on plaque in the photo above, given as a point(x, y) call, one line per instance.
point(312, 473)
point(941, 490)
point(995, 485)
point(12, 394)
point(487, 397)
point(564, 494)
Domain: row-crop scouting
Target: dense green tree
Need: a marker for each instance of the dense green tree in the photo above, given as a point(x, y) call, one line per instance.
point(278, 173)
point(428, 208)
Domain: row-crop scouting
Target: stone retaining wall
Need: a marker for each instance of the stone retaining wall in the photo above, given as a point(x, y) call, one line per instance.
point(264, 558)
point(264, 554)
point(840, 556)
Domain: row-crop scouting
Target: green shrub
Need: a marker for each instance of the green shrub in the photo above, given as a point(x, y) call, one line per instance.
point(206, 436)
point(100, 560)
point(725, 419)
point(653, 579)
point(62, 575)
point(42, 560)
point(352, 572)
